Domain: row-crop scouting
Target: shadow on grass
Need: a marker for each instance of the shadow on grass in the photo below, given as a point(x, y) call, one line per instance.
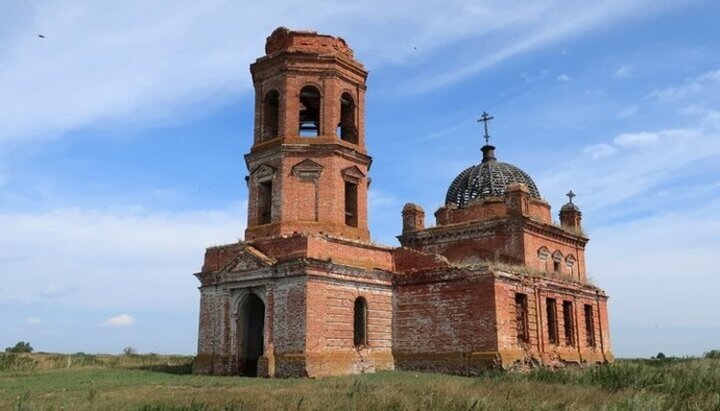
point(175, 369)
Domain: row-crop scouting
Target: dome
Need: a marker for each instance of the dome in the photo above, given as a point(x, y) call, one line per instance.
point(487, 179)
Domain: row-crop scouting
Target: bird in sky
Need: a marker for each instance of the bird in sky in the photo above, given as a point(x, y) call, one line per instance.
point(41, 36)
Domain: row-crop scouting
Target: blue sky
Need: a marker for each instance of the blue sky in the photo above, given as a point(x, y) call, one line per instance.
point(122, 135)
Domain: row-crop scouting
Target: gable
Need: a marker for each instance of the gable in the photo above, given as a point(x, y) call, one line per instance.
point(250, 258)
point(263, 173)
point(307, 169)
point(353, 174)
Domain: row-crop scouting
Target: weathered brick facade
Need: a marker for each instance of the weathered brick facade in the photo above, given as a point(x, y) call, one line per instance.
point(493, 284)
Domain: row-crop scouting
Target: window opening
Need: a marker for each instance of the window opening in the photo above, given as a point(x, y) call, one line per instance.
point(557, 259)
point(589, 325)
point(309, 112)
point(351, 217)
point(552, 321)
point(521, 317)
point(569, 323)
point(360, 322)
point(271, 115)
point(265, 202)
point(347, 128)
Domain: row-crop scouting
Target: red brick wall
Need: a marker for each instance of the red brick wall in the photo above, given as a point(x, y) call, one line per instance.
point(534, 241)
point(289, 326)
point(539, 346)
point(330, 345)
point(442, 319)
point(491, 208)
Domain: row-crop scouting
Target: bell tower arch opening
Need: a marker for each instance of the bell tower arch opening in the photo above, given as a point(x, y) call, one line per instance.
point(347, 128)
point(251, 333)
point(271, 115)
point(309, 112)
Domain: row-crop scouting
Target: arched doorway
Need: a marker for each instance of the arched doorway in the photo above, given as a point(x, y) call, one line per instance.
point(251, 327)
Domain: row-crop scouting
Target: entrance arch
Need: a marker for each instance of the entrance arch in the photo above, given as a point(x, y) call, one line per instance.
point(251, 327)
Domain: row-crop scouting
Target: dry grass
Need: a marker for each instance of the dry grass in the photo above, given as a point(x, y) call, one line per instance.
point(628, 384)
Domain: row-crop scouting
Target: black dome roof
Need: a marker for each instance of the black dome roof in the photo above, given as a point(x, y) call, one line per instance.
point(487, 179)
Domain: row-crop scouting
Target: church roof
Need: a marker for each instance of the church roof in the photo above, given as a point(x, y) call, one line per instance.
point(490, 178)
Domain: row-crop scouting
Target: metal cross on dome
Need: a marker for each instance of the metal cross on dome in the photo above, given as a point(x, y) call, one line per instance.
point(571, 195)
point(484, 118)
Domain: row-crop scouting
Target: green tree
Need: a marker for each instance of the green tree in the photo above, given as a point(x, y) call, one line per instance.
point(20, 347)
point(714, 354)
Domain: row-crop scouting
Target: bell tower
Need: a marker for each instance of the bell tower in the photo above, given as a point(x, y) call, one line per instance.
point(308, 166)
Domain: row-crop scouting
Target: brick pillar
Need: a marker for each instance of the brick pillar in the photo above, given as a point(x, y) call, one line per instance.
point(570, 216)
point(413, 218)
point(516, 199)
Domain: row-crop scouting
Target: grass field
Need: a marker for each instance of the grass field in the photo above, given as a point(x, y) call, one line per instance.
point(151, 382)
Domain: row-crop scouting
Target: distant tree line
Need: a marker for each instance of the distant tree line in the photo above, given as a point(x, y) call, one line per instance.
point(20, 347)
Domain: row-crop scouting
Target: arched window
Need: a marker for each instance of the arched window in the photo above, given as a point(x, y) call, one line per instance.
point(557, 260)
point(271, 117)
point(309, 112)
point(347, 128)
point(360, 322)
point(543, 253)
point(570, 263)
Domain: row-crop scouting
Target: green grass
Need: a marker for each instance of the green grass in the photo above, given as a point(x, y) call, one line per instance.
point(54, 382)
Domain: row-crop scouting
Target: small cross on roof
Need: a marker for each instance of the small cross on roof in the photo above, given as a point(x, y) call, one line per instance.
point(570, 195)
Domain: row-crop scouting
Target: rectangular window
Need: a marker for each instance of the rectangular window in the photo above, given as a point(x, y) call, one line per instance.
point(351, 217)
point(521, 317)
point(589, 325)
point(264, 202)
point(569, 323)
point(552, 322)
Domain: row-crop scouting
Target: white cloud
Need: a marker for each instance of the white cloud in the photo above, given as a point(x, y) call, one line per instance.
point(378, 199)
point(33, 320)
point(623, 71)
point(638, 264)
point(691, 87)
point(563, 78)
point(111, 260)
point(600, 150)
point(103, 63)
point(632, 169)
point(628, 112)
point(636, 139)
point(560, 20)
point(122, 320)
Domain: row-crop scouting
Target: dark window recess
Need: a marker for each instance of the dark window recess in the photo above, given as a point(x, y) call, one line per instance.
point(351, 217)
point(521, 317)
point(360, 322)
point(556, 266)
point(347, 128)
point(569, 323)
point(271, 117)
point(552, 322)
point(309, 112)
point(589, 325)
point(265, 202)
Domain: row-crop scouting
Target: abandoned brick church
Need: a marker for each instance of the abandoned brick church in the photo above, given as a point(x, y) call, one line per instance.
point(494, 283)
